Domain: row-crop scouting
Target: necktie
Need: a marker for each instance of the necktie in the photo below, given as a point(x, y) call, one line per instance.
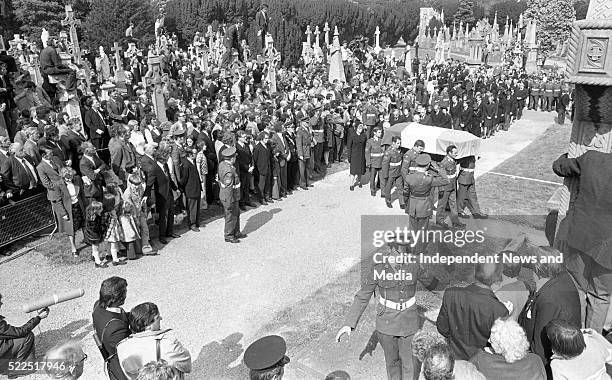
point(33, 178)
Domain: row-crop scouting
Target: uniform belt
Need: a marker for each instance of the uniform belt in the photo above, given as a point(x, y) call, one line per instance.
point(395, 163)
point(236, 186)
point(451, 175)
point(317, 130)
point(468, 170)
point(370, 114)
point(412, 168)
point(376, 154)
point(396, 305)
point(419, 196)
point(519, 98)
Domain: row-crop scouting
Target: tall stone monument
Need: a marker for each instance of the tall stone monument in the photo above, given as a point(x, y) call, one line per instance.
point(155, 78)
point(119, 72)
point(326, 30)
point(72, 23)
point(273, 57)
point(589, 63)
point(531, 47)
point(425, 17)
point(336, 67)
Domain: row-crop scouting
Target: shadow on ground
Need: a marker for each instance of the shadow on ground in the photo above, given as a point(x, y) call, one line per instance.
point(258, 220)
point(75, 330)
point(216, 360)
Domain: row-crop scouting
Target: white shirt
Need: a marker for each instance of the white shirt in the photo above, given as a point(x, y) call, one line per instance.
point(29, 167)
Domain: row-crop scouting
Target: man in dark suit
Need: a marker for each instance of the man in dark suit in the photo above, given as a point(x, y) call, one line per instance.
point(91, 167)
point(262, 160)
point(262, 19)
point(17, 343)
point(584, 235)
point(51, 64)
point(467, 314)
point(51, 140)
point(71, 142)
point(244, 163)
point(281, 152)
point(556, 297)
point(191, 186)
point(96, 127)
point(159, 181)
point(213, 164)
point(563, 105)
point(293, 170)
point(21, 178)
point(115, 108)
point(232, 41)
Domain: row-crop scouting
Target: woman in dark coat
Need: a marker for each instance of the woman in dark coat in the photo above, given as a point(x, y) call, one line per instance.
point(356, 153)
point(73, 204)
point(111, 323)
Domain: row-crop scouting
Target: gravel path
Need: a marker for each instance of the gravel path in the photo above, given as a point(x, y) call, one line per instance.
point(211, 292)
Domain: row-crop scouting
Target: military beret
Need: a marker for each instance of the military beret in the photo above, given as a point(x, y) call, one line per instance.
point(266, 352)
point(423, 160)
point(228, 152)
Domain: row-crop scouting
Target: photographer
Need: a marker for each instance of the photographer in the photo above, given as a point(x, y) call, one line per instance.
point(17, 343)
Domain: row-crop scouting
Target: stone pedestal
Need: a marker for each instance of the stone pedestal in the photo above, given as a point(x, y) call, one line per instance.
point(475, 57)
point(531, 64)
point(589, 67)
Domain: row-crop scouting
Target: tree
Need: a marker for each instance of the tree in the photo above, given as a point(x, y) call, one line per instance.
point(581, 7)
point(554, 22)
point(34, 15)
point(108, 20)
point(465, 12)
point(508, 8)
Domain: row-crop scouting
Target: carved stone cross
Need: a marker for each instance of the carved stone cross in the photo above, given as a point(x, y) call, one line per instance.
point(73, 22)
point(326, 30)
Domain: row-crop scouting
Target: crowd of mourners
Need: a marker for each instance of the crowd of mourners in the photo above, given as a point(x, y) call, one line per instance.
point(117, 167)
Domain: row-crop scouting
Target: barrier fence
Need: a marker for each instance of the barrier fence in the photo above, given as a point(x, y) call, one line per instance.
point(24, 218)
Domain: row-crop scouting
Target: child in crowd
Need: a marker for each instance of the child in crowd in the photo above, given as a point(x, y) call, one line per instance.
point(131, 232)
point(134, 194)
point(93, 233)
point(113, 234)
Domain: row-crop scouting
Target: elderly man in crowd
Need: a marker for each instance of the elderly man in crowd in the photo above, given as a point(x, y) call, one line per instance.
point(467, 314)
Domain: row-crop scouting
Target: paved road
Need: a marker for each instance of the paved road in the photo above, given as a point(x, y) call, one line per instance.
point(216, 294)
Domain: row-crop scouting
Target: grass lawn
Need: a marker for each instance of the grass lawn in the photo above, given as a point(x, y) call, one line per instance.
point(520, 200)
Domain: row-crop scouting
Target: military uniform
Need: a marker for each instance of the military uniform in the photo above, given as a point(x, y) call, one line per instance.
point(397, 318)
point(533, 92)
point(449, 193)
point(373, 156)
point(392, 173)
point(548, 93)
point(370, 117)
point(229, 194)
point(417, 190)
point(466, 192)
point(556, 93)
